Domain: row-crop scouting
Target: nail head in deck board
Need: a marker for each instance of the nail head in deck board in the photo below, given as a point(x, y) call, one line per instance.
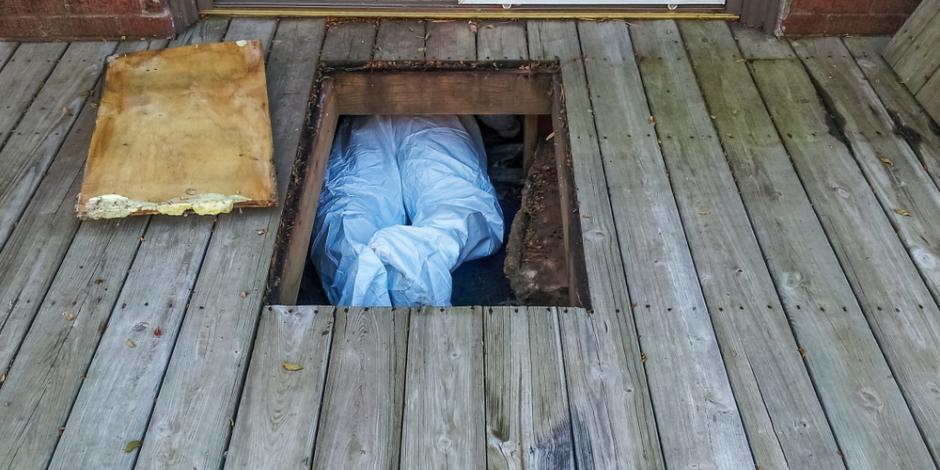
point(400, 40)
point(191, 404)
point(49, 367)
point(697, 417)
point(527, 419)
point(364, 396)
point(917, 62)
point(501, 40)
point(277, 418)
point(30, 150)
point(843, 356)
point(760, 353)
point(349, 42)
point(872, 257)
point(443, 422)
point(20, 82)
point(901, 186)
point(451, 40)
point(616, 428)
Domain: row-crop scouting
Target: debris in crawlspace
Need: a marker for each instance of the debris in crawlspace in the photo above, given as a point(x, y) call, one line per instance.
point(181, 130)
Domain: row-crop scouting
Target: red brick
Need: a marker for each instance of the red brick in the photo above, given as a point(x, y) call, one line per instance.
point(804, 24)
point(100, 7)
point(85, 27)
point(830, 6)
point(897, 7)
point(867, 24)
point(146, 26)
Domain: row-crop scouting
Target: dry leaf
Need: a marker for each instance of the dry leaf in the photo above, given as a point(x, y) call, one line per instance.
point(885, 160)
point(704, 211)
point(3, 378)
point(131, 446)
point(643, 357)
point(157, 332)
point(69, 316)
point(802, 351)
point(291, 367)
point(130, 343)
point(902, 211)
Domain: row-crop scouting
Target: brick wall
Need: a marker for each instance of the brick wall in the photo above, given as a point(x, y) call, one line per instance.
point(86, 19)
point(862, 17)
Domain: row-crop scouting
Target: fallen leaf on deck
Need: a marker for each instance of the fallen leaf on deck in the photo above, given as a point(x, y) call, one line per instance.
point(802, 351)
point(643, 357)
point(704, 211)
point(131, 446)
point(902, 211)
point(157, 332)
point(131, 343)
point(69, 316)
point(885, 160)
point(291, 367)
point(3, 378)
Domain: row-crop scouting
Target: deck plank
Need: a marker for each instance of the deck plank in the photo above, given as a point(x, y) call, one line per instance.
point(929, 96)
point(277, 419)
point(915, 59)
point(698, 420)
point(349, 42)
point(401, 40)
point(7, 48)
point(364, 396)
point(501, 40)
point(909, 197)
point(527, 419)
point(444, 417)
point(451, 40)
point(611, 409)
point(21, 81)
point(190, 422)
point(756, 44)
point(896, 302)
point(842, 354)
point(760, 352)
point(904, 39)
point(36, 139)
point(909, 120)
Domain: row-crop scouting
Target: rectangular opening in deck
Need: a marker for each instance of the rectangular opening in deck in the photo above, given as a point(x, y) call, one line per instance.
point(545, 247)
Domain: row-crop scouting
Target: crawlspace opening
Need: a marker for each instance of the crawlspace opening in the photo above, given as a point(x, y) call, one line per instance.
point(540, 261)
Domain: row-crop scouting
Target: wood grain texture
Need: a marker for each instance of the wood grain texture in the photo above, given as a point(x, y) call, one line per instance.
point(451, 41)
point(23, 78)
point(908, 118)
point(611, 410)
point(400, 40)
point(904, 39)
point(527, 419)
point(226, 301)
point(7, 48)
point(362, 404)
point(915, 58)
point(929, 96)
point(897, 304)
point(756, 44)
point(698, 419)
point(909, 197)
point(443, 418)
point(771, 385)
point(349, 43)
point(842, 354)
point(31, 147)
point(501, 40)
point(277, 419)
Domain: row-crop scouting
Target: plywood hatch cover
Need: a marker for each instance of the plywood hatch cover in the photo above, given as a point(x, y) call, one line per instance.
point(181, 129)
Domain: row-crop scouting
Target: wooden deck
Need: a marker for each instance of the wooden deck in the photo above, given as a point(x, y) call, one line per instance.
point(761, 226)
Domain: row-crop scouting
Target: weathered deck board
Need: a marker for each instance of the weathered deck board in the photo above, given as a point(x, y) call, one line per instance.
point(760, 352)
point(25, 76)
point(841, 352)
point(401, 40)
point(904, 40)
point(611, 409)
point(36, 139)
point(909, 120)
point(7, 48)
point(277, 419)
point(909, 197)
point(692, 398)
point(929, 96)
point(527, 419)
point(915, 58)
point(190, 423)
point(443, 418)
point(898, 305)
point(451, 40)
point(364, 396)
point(349, 42)
point(501, 40)
point(754, 44)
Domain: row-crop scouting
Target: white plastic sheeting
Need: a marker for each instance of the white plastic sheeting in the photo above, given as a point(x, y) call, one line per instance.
point(405, 201)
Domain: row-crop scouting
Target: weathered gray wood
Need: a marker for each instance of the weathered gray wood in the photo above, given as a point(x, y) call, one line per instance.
point(527, 419)
point(501, 40)
point(277, 419)
point(929, 96)
point(916, 60)
point(896, 302)
point(349, 42)
point(31, 147)
point(909, 120)
point(611, 410)
point(761, 355)
point(841, 352)
point(444, 417)
point(756, 44)
point(190, 422)
point(400, 40)
point(907, 194)
point(6, 50)
point(363, 400)
point(903, 40)
point(22, 79)
point(49, 368)
point(700, 425)
point(451, 40)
